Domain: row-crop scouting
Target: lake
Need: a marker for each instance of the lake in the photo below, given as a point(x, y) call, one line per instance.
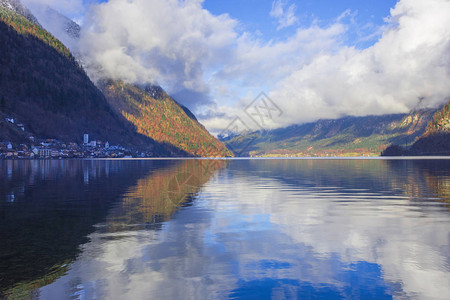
point(225, 229)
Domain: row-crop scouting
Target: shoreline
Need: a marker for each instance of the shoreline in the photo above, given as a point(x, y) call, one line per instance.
point(248, 158)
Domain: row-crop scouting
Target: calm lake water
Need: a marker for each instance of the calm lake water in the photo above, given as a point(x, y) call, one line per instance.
point(215, 229)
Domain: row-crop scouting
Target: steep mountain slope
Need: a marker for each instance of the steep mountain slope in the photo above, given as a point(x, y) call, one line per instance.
point(161, 118)
point(17, 7)
point(63, 28)
point(440, 122)
point(43, 87)
point(435, 140)
point(349, 136)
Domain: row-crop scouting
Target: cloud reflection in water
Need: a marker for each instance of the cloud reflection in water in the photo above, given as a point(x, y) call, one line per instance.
point(279, 229)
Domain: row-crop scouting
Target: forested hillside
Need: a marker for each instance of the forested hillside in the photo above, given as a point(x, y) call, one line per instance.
point(17, 7)
point(440, 122)
point(435, 140)
point(161, 118)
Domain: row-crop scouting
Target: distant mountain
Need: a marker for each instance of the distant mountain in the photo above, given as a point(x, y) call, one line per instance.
point(44, 88)
point(348, 136)
point(156, 115)
point(435, 140)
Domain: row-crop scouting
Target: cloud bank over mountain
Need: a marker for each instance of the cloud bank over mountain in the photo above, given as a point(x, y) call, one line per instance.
point(409, 67)
point(212, 65)
point(191, 52)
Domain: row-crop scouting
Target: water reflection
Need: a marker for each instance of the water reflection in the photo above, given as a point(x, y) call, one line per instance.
point(380, 212)
point(256, 229)
point(48, 208)
point(156, 197)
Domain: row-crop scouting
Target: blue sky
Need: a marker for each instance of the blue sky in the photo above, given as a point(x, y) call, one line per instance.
point(254, 15)
point(316, 59)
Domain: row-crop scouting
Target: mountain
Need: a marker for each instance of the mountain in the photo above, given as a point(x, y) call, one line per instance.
point(149, 109)
point(57, 24)
point(440, 123)
point(435, 140)
point(156, 115)
point(17, 7)
point(44, 88)
point(348, 136)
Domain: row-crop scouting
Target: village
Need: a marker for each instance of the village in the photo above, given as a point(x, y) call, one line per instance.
point(54, 149)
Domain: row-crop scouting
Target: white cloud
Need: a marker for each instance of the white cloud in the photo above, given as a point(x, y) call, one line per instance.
point(189, 51)
point(169, 42)
point(194, 54)
point(311, 74)
point(285, 15)
point(410, 61)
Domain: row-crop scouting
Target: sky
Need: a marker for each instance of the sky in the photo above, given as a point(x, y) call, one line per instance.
point(314, 59)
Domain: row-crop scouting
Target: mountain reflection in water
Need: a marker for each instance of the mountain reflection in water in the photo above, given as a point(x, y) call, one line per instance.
point(48, 208)
point(207, 229)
